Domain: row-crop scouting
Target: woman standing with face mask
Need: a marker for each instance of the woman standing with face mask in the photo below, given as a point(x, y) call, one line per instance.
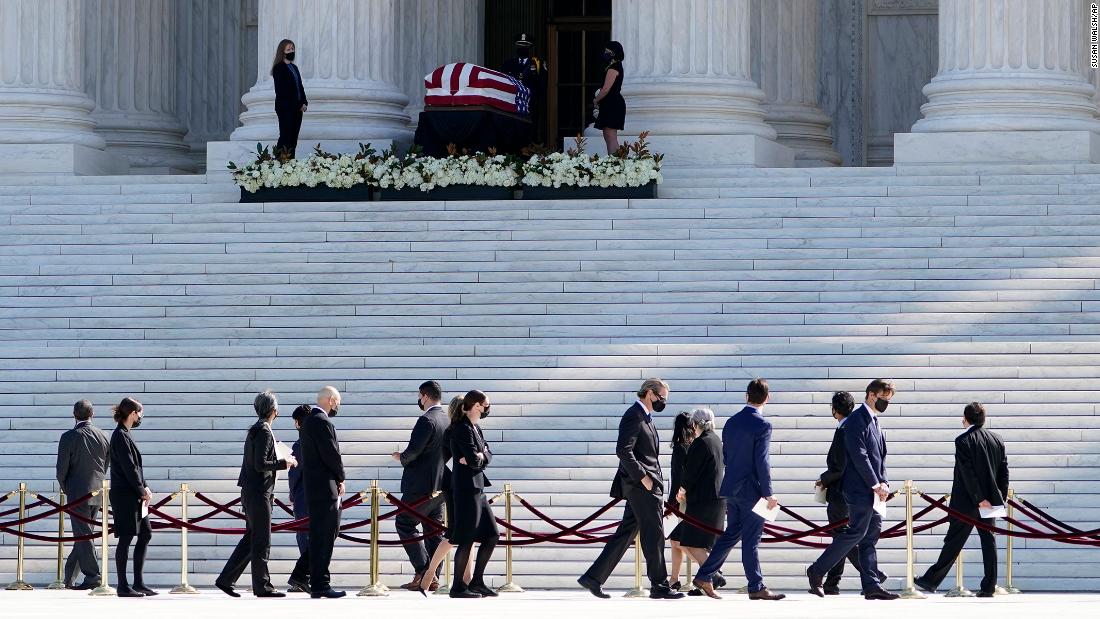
point(290, 96)
point(130, 499)
point(609, 100)
point(474, 518)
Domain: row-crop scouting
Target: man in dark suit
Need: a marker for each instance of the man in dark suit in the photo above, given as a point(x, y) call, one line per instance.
point(640, 481)
point(746, 439)
point(323, 475)
point(298, 582)
point(257, 484)
point(980, 481)
point(421, 478)
point(864, 480)
point(83, 454)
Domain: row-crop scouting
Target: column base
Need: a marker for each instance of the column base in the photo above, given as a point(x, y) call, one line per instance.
point(997, 147)
point(695, 151)
point(71, 159)
point(218, 154)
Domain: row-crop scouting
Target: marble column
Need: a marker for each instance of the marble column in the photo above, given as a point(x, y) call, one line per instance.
point(784, 63)
point(1010, 87)
point(347, 51)
point(131, 72)
point(210, 46)
point(46, 122)
point(688, 81)
point(434, 33)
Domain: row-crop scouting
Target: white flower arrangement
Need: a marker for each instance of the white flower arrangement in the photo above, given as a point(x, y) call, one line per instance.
point(632, 165)
point(426, 173)
point(328, 169)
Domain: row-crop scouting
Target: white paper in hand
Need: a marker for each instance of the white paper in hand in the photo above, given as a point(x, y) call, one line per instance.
point(880, 506)
point(282, 452)
point(996, 511)
point(144, 508)
point(670, 523)
point(819, 494)
point(761, 509)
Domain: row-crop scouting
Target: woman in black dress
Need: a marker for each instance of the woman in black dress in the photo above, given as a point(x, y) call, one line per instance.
point(290, 97)
point(130, 496)
point(454, 409)
point(702, 477)
point(609, 100)
point(682, 435)
point(474, 519)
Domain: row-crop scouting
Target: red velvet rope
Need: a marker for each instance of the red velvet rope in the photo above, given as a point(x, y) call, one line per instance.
point(15, 510)
point(220, 509)
point(1042, 517)
point(67, 508)
point(1032, 533)
point(45, 514)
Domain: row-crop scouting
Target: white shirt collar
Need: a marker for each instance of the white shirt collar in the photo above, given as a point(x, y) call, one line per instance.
point(644, 409)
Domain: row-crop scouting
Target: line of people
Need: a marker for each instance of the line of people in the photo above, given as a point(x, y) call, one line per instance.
point(710, 477)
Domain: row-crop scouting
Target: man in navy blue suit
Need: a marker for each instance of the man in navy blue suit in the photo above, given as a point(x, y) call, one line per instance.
point(746, 438)
point(864, 480)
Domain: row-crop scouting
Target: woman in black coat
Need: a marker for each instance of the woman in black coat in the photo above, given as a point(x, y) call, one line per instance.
point(682, 435)
point(474, 520)
point(290, 97)
point(702, 478)
point(130, 497)
point(454, 409)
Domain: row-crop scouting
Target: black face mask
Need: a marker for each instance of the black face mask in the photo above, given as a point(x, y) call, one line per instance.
point(137, 422)
point(290, 56)
point(659, 405)
point(419, 404)
point(880, 405)
point(523, 52)
point(485, 413)
point(332, 411)
point(607, 56)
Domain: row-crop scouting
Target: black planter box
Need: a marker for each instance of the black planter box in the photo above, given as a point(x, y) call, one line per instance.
point(451, 192)
point(320, 193)
point(589, 193)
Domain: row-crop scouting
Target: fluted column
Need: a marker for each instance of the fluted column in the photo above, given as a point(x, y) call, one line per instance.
point(131, 72)
point(688, 80)
point(347, 52)
point(1010, 86)
point(785, 65)
point(211, 43)
point(42, 99)
point(435, 33)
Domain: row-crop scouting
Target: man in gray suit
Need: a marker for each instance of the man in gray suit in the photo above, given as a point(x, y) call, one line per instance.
point(82, 458)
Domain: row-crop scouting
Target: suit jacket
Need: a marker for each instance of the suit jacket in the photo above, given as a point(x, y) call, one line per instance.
point(423, 458)
point(259, 464)
point(289, 93)
point(834, 467)
point(294, 478)
point(83, 454)
point(467, 440)
point(864, 457)
point(702, 477)
point(981, 469)
point(127, 475)
point(638, 450)
point(746, 439)
point(324, 467)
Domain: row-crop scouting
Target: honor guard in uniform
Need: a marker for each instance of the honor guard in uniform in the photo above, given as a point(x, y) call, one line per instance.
point(532, 72)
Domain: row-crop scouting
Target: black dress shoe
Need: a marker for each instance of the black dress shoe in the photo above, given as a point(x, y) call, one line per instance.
point(675, 586)
point(984, 594)
point(593, 587)
point(327, 593)
point(882, 576)
point(816, 582)
point(696, 593)
point(832, 590)
point(146, 590)
point(270, 593)
point(664, 592)
point(766, 594)
point(718, 581)
point(923, 585)
point(880, 594)
point(85, 586)
point(227, 589)
point(127, 592)
point(467, 594)
point(483, 590)
point(301, 585)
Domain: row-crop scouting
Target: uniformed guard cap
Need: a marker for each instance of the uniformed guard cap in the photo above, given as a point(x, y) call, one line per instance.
point(523, 41)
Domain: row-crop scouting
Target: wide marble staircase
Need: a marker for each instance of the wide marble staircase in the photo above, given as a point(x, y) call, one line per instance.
point(959, 283)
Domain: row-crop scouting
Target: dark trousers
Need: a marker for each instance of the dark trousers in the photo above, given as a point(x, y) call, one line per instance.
point(83, 553)
point(837, 511)
point(642, 515)
point(864, 526)
point(420, 552)
point(957, 533)
point(290, 123)
point(324, 525)
point(742, 525)
point(255, 545)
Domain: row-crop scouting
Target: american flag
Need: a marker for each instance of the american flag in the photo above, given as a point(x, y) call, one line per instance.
point(461, 83)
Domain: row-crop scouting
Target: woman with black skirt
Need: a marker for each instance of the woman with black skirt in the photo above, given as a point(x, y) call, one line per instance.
point(474, 519)
point(130, 499)
point(682, 435)
point(453, 409)
point(290, 97)
point(609, 100)
point(702, 478)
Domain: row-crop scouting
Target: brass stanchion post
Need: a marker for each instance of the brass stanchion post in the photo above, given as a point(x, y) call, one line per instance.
point(687, 573)
point(183, 587)
point(20, 584)
point(375, 588)
point(59, 582)
point(1009, 588)
point(959, 590)
point(445, 586)
point(508, 586)
point(910, 592)
point(104, 588)
point(638, 591)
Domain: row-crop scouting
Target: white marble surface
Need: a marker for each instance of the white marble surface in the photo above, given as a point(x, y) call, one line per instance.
point(997, 147)
point(59, 159)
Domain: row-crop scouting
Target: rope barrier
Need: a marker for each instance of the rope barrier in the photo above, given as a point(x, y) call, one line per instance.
point(1031, 532)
